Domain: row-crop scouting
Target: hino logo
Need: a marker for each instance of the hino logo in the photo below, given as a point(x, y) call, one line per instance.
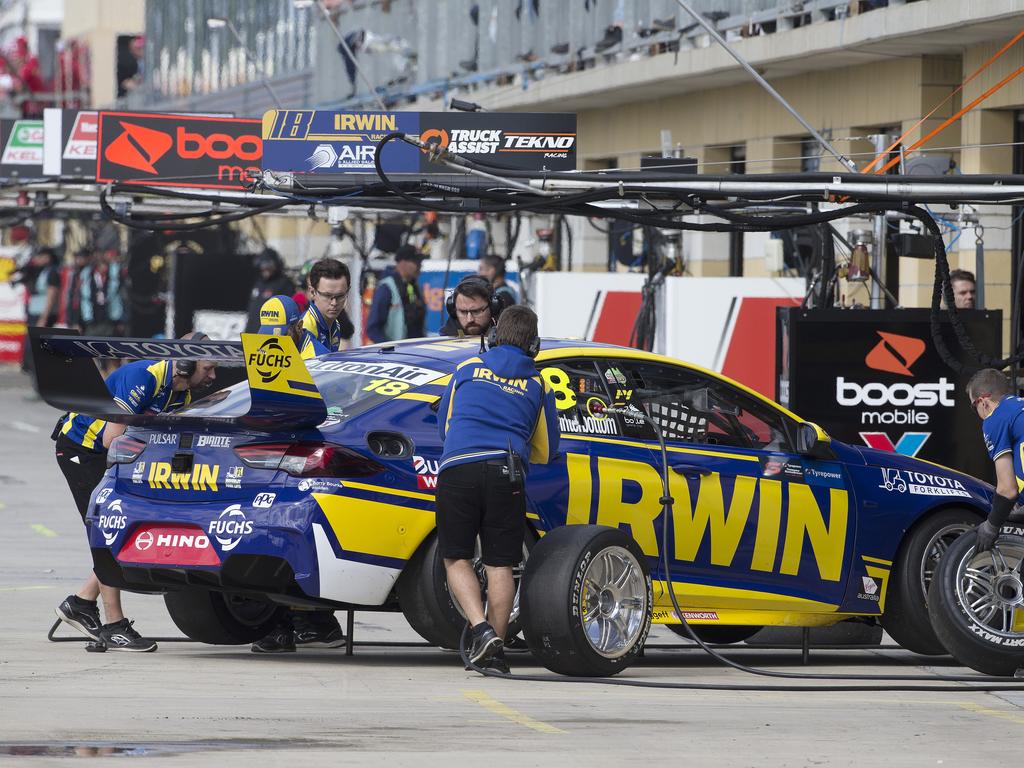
point(850, 393)
point(144, 541)
point(232, 526)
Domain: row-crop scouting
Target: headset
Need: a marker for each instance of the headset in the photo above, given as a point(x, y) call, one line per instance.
point(493, 300)
point(491, 341)
point(187, 367)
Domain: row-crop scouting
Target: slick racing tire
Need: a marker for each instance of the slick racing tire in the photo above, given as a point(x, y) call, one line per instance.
point(976, 603)
point(713, 634)
point(905, 616)
point(219, 618)
point(429, 606)
point(587, 601)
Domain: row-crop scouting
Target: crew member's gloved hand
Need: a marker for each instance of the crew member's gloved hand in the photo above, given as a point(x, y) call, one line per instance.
point(987, 534)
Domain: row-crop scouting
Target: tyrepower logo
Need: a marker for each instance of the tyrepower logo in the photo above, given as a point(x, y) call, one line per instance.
point(178, 150)
point(895, 353)
point(161, 544)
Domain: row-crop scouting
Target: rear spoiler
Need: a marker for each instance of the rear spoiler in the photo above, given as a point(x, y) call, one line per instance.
point(281, 391)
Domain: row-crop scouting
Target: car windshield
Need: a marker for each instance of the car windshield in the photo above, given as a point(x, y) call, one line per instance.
point(349, 387)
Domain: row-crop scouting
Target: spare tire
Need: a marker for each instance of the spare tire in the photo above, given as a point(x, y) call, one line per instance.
point(221, 618)
point(587, 601)
point(976, 603)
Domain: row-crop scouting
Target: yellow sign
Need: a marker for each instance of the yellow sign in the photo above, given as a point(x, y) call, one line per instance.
point(203, 477)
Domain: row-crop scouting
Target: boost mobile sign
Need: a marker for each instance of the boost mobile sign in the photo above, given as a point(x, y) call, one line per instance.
point(875, 378)
point(312, 141)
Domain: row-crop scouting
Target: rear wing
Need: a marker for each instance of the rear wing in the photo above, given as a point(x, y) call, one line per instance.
point(281, 391)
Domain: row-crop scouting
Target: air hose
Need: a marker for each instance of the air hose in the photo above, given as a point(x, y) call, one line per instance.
point(866, 682)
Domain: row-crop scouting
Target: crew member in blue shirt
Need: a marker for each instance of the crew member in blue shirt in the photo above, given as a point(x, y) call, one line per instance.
point(145, 386)
point(326, 320)
point(280, 316)
point(1002, 424)
point(496, 416)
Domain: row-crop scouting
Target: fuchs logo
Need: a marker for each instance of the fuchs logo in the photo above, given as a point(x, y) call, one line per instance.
point(138, 147)
point(323, 156)
point(269, 360)
point(112, 522)
point(230, 527)
point(895, 353)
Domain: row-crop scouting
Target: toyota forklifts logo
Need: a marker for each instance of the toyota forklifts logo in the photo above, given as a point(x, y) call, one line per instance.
point(895, 353)
point(138, 147)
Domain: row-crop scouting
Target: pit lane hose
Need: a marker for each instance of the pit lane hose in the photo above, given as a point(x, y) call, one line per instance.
point(901, 682)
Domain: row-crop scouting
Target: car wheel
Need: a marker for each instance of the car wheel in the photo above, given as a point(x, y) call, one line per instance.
point(220, 618)
point(428, 605)
point(905, 616)
point(976, 603)
point(587, 601)
point(716, 635)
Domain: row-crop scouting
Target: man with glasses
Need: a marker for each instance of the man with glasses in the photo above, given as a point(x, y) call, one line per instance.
point(1002, 425)
point(398, 311)
point(472, 308)
point(326, 320)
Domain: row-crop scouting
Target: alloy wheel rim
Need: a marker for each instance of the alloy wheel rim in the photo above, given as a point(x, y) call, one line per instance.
point(613, 602)
point(990, 588)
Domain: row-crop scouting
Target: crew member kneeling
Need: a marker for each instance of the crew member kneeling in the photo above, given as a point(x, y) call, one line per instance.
point(496, 413)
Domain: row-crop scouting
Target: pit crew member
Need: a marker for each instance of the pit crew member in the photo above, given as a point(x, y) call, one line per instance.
point(326, 319)
point(397, 311)
point(473, 308)
point(492, 269)
point(144, 386)
point(280, 316)
point(1003, 427)
point(496, 415)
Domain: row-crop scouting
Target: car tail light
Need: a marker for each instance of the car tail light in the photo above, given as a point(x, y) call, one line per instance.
point(124, 450)
point(308, 459)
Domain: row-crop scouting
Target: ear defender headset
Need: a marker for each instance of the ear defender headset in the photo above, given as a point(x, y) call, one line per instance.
point(493, 300)
point(187, 367)
point(492, 341)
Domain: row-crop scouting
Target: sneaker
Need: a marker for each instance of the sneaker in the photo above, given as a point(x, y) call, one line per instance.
point(280, 640)
point(121, 636)
point(517, 645)
point(320, 637)
point(485, 643)
point(83, 615)
point(497, 663)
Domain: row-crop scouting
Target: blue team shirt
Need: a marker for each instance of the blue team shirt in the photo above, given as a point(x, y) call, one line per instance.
point(495, 399)
point(1004, 433)
point(144, 386)
point(317, 331)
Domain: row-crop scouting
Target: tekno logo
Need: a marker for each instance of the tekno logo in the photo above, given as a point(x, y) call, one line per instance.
point(895, 353)
point(138, 147)
point(269, 360)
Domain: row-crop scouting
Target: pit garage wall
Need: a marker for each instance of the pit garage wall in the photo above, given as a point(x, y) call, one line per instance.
point(726, 324)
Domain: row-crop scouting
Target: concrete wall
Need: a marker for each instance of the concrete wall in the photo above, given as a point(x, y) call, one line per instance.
point(98, 23)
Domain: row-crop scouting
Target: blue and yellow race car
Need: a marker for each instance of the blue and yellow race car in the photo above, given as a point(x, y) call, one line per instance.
point(315, 488)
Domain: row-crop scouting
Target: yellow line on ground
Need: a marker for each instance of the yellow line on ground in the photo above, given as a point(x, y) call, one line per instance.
point(503, 710)
point(42, 530)
point(22, 589)
point(1003, 714)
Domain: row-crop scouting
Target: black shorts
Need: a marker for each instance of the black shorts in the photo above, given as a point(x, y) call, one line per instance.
point(82, 469)
point(477, 499)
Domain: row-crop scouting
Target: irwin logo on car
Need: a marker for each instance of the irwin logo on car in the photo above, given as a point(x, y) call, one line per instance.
point(270, 360)
point(203, 477)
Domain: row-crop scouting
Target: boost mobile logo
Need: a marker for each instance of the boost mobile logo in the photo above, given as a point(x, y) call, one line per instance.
point(138, 147)
point(895, 353)
point(267, 358)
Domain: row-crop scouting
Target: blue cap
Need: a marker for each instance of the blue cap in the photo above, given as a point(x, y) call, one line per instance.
point(277, 313)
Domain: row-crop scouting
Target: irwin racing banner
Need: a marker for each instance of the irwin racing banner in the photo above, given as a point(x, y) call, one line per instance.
point(314, 141)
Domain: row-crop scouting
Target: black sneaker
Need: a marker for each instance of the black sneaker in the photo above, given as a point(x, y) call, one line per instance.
point(280, 640)
point(497, 663)
point(516, 645)
point(485, 643)
point(121, 636)
point(83, 615)
point(320, 637)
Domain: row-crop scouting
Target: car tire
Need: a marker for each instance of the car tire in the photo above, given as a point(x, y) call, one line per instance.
point(576, 618)
point(905, 616)
point(219, 618)
point(716, 635)
point(428, 605)
point(984, 644)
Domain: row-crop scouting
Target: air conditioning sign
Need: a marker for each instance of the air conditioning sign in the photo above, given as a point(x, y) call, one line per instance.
point(177, 150)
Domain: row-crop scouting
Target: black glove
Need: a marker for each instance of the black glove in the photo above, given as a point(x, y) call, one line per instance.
point(987, 534)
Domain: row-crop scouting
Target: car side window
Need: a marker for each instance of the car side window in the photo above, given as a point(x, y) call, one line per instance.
point(691, 407)
point(576, 383)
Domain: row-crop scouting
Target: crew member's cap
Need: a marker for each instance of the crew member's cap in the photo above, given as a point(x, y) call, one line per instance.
point(408, 253)
point(277, 313)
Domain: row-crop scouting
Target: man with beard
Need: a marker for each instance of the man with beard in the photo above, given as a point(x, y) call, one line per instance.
point(472, 308)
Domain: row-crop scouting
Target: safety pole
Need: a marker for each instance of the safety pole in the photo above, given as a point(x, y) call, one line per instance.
point(881, 141)
point(979, 266)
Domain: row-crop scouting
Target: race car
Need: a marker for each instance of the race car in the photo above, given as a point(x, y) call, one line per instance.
point(314, 487)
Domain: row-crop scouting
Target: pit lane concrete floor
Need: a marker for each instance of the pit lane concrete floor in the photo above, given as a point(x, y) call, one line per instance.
point(189, 704)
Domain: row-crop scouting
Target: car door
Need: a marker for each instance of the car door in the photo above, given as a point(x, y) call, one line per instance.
point(755, 525)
